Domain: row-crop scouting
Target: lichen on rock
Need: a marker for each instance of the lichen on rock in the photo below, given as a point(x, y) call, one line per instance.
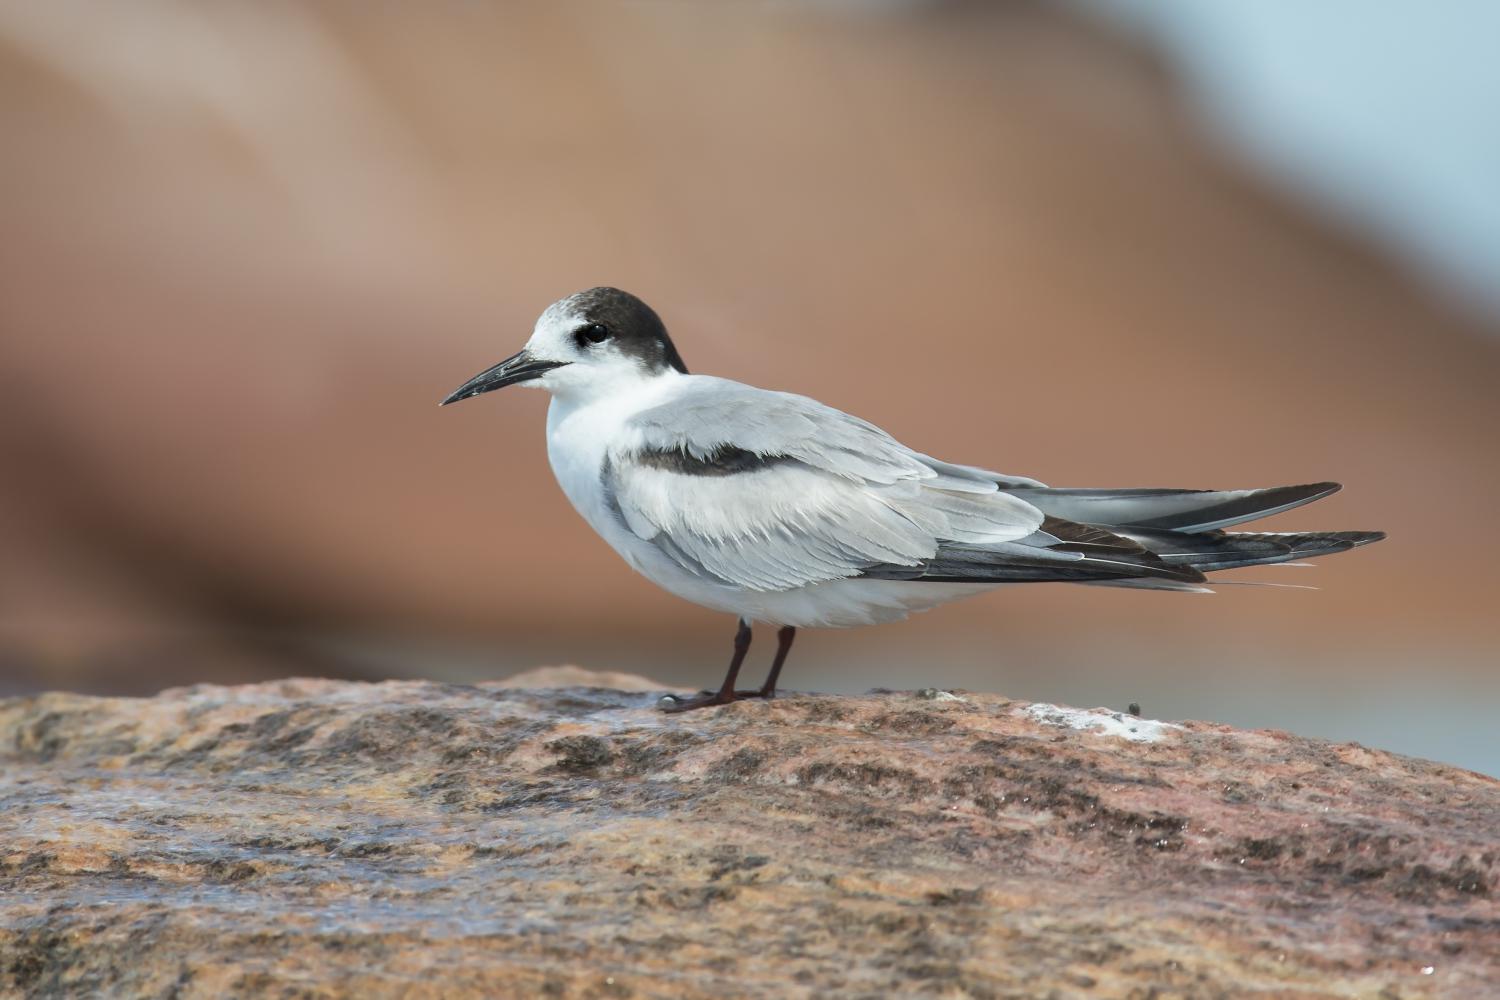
point(321, 838)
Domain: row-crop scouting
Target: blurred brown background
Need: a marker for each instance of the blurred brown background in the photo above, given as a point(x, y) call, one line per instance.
point(248, 247)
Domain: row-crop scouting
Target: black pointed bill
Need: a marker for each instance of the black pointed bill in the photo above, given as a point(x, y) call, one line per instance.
point(520, 367)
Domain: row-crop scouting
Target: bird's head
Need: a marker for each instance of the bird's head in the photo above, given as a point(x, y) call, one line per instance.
point(587, 344)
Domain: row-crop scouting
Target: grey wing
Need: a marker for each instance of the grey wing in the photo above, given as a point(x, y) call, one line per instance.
point(771, 491)
point(974, 474)
point(718, 412)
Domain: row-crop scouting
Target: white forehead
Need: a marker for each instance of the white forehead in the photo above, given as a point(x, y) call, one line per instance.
point(561, 317)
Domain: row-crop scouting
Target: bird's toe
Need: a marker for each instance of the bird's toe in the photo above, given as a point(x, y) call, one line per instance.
point(673, 703)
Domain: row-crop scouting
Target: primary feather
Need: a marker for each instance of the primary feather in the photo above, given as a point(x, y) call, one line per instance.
point(1177, 510)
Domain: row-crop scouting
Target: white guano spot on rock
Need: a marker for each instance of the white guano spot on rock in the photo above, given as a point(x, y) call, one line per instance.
point(1126, 727)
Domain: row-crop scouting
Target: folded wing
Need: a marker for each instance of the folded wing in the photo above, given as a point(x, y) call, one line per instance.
point(772, 491)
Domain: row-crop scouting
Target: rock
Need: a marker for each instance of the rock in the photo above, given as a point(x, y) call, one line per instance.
point(320, 838)
point(571, 676)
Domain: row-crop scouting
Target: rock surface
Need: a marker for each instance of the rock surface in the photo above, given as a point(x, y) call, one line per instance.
point(322, 838)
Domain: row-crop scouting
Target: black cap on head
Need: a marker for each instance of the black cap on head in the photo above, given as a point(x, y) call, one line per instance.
point(633, 326)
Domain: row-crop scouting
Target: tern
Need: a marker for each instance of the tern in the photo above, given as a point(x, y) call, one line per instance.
point(778, 509)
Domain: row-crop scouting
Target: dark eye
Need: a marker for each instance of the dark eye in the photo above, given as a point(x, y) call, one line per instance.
point(594, 333)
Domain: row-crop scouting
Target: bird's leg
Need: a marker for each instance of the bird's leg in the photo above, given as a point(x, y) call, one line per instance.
point(726, 692)
point(784, 639)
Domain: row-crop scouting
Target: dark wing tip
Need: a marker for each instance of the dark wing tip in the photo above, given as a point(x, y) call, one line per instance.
point(1305, 493)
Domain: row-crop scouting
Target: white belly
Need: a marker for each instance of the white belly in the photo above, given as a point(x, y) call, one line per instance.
point(846, 603)
point(577, 439)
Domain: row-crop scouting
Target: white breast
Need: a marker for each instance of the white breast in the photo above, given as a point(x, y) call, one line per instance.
point(579, 436)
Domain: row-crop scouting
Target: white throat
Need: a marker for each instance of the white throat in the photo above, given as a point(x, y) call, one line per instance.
point(583, 384)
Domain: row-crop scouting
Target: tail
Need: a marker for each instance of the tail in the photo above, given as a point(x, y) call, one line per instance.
point(1153, 539)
